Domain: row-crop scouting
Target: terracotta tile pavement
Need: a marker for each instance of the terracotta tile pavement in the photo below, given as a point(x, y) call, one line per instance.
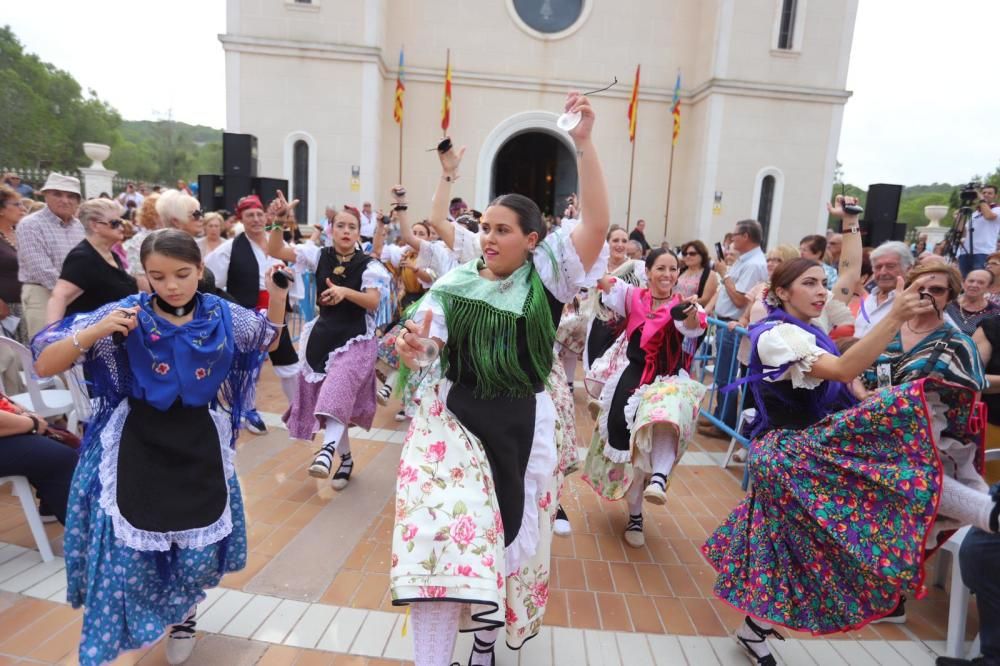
point(598, 582)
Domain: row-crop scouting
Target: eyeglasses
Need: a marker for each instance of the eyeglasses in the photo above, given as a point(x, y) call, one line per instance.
point(935, 290)
point(114, 224)
point(197, 214)
point(691, 254)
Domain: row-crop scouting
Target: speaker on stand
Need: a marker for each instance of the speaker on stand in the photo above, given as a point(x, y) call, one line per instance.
point(881, 212)
point(239, 154)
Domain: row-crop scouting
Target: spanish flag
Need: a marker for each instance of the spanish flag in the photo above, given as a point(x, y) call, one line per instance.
point(446, 103)
point(633, 107)
point(677, 107)
point(397, 112)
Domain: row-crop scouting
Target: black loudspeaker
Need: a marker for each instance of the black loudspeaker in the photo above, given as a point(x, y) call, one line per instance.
point(882, 203)
point(267, 189)
point(239, 154)
point(873, 235)
point(210, 192)
point(235, 188)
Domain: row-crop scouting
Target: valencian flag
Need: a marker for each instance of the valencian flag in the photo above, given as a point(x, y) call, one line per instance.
point(633, 107)
point(446, 102)
point(677, 108)
point(397, 111)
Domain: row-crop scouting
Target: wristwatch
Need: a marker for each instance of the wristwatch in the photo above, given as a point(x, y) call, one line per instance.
point(35, 424)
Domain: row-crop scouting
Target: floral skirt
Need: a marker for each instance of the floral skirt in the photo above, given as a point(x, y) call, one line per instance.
point(834, 528)
point(448, 539)
point(667, 402)
point(345, 392)
point(571, 336)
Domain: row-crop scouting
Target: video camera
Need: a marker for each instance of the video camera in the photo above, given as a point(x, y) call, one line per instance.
point(970, 193)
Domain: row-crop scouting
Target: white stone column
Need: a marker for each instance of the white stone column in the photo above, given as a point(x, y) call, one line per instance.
point(97, 179)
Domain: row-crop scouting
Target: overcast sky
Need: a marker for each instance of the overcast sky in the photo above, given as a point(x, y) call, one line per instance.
point(925, 83)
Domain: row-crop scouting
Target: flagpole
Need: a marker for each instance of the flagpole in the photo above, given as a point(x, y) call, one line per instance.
point(631, 167)
point(670, 182)
point(400, 180)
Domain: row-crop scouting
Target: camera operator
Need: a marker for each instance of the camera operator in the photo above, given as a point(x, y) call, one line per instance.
point(980, 239)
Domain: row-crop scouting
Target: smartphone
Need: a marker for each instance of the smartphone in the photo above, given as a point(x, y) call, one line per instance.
point(719, 253)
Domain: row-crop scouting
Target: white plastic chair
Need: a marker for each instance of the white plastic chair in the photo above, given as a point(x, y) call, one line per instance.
point(958, 603)
point(746, 416)
point(24, 493)
point(44, 402)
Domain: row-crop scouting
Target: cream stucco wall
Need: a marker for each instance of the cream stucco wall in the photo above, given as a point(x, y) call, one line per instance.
point(329, 71)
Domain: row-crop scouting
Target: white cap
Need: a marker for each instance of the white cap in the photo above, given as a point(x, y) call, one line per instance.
point(61, 183)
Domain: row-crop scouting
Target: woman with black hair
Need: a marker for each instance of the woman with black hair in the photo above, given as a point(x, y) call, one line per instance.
point(155, 514)
point(647, 408)
point(479, 474)
point(697, 277)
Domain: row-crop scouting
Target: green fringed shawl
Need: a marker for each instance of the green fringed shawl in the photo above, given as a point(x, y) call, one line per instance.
point(482, 317)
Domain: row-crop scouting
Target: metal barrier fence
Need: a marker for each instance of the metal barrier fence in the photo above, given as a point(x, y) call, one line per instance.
point(718, 355)
point(305, 309)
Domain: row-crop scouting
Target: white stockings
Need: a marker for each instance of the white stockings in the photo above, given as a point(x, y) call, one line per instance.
point(965, 505)
point(435, 627)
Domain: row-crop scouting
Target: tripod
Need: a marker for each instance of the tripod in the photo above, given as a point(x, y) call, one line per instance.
point(954, 238)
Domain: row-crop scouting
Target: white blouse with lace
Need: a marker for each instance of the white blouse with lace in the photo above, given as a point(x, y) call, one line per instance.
point(787, 343)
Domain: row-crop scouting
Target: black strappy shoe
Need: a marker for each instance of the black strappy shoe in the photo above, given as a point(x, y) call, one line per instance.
point(634, 535)
point(343, 475)
point(320, 467)
point(656, 491)
point(762, 634)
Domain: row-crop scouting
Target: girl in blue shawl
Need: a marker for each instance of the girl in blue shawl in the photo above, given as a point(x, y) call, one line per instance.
point(843, 495)
point(155, 514)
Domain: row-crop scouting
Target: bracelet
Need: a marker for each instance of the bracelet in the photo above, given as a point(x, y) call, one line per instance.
point(449, 179)
point(76, 343)
point(400, 207)
point(35, 424)
point(274, 227)
point(852, 230)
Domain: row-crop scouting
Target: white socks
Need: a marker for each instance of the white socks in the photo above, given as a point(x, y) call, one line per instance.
point(288, 386)
point(335, 437)
point(569, 364)
point(634, 497)
point(435, 627)
point(482, 647)
point(753, 641)
point(965, 505)
point(664, 453)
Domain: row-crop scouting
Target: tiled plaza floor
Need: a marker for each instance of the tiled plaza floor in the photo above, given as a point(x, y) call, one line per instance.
point(315, 590)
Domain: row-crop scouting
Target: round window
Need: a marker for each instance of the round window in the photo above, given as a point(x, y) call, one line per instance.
point(549, 16)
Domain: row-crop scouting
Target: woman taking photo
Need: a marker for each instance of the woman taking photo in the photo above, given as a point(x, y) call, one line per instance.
point(648, 407)
point(843, 495)
point(92, 274)
point(335, 383)
point(696, 277)
point(476, 494)
point(155, 512)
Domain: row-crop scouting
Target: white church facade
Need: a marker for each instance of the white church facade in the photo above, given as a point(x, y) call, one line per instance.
point(762, 97)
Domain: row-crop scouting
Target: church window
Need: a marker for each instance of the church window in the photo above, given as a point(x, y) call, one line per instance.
point(786, 26)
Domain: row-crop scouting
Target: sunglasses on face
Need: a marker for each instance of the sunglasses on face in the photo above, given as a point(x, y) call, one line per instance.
point(114, 224)
point(691, 254)
point(197, 214)
point(934, 290)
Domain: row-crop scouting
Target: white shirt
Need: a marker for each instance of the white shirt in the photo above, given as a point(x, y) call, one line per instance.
point(747, 272)
point(984, 233)
point(368, 224)
point(218, 261)
point(871, 313)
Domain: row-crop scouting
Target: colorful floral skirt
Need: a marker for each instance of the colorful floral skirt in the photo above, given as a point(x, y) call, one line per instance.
point(345, 392)
point(667, 402)
point(834, 528)
point(571, 336)
point(448, 539)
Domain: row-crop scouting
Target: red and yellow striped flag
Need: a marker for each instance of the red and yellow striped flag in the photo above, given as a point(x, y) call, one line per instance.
point(397, 111)
point(446, 102)
point(677, 107)
point(633, 107)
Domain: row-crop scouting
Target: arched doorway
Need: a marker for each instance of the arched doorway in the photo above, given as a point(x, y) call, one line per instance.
point(538, 165)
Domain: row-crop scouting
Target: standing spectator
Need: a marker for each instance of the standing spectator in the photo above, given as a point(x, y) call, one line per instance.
point(981, 232)
point(736, 281)
point(457, 208)
point(92, 274)
point(890, 260)
point(368, 221)
point(833, 246)
point(130, 195)
point(146, 222)
point(696, 277)
point(969, 309)
point(634, 250)
point(14, 181)
point(11, 212)
point(182, 186)
point(213, 234)
point(43, 241)
point(814, 247)
point(639, 235)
